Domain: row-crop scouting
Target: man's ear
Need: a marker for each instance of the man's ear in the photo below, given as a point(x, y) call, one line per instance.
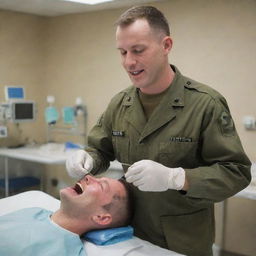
point(167, 44)
point(102, 219)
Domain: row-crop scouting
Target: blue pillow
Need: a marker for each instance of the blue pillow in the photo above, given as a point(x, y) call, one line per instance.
point(109, 236)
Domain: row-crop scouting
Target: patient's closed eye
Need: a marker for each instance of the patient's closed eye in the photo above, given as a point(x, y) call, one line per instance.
point(104, 185)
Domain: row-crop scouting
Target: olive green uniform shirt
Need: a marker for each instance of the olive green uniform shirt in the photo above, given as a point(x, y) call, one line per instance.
point(191, 128)
point(150, 102)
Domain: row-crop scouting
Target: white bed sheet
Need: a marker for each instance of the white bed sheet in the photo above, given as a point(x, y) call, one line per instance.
point(131, 247)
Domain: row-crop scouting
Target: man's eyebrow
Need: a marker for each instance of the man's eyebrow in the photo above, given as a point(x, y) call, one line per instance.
point(138, 45)
point(132, 47)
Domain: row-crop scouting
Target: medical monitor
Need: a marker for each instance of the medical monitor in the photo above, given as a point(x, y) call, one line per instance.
point(14, 93)
point(22, 111)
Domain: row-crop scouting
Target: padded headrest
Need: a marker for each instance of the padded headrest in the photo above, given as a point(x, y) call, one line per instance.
point(109, 236)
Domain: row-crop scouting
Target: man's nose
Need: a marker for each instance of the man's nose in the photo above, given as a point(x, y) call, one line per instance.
point(129, 60)
point(90, 179)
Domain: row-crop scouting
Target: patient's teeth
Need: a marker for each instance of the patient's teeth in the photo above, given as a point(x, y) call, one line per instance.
point(79, 184)
point(78, 188)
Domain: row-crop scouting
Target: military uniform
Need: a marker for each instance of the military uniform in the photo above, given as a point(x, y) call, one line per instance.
point(191, 128)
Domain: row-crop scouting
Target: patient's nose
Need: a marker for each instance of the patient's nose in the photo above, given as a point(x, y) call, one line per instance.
point(90, 179)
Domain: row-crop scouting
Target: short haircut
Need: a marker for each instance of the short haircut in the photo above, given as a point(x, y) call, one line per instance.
point(121, 208)
point(154, 17)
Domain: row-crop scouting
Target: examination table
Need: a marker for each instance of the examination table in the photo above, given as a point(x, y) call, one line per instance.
point(130, 247)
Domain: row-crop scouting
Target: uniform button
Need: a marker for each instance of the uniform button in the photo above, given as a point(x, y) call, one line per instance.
point(188, 83)
point(128, 98)
point(176, 100)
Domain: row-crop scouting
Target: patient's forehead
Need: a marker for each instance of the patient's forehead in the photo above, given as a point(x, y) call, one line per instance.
point(115, 185)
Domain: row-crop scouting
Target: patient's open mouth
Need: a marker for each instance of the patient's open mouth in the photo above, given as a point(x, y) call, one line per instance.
point(78, 188)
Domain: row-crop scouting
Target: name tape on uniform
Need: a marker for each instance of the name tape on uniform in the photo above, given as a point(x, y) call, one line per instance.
point(180, 139)
point(118, 133)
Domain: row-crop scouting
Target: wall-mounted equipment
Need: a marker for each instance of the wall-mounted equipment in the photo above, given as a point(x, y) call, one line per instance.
point(23, 111)
point(14, 93)
point(249, 122)
point(3, 131)
point(20, 111)
point(51, 114)
point(68, 115)
point(74, 119)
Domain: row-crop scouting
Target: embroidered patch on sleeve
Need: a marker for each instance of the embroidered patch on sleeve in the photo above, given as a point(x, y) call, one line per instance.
point(226, 124)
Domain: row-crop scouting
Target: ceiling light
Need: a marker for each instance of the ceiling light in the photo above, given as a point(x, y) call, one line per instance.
point(91, 2)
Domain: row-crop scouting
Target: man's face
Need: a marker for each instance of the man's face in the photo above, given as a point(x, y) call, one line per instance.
point(88, 196)
point(143, 54)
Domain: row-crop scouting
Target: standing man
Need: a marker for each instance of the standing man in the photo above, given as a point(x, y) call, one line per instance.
point(178, 136)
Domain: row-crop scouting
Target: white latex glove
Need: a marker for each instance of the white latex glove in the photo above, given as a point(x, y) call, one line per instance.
point(78, 164)
point(148, 175)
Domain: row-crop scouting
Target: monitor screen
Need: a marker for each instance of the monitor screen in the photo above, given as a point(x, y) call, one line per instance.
point(23, 111)
point(14, 92)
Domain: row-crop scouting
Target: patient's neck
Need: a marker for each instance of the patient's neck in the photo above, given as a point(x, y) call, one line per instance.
point(70, 224)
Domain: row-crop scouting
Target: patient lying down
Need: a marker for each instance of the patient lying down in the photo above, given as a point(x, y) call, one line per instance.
point(93, 203)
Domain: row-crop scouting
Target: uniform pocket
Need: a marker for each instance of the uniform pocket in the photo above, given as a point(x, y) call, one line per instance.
point(176, 154)
point(121, 148)
point(191, 234)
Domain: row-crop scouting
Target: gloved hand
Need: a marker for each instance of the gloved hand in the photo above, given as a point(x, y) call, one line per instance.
point(148, 175)
point(78, 164)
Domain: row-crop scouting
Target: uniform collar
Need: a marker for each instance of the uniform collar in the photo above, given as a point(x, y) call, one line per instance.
point(176, 89)
point(174, 96)
point(172, 101)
